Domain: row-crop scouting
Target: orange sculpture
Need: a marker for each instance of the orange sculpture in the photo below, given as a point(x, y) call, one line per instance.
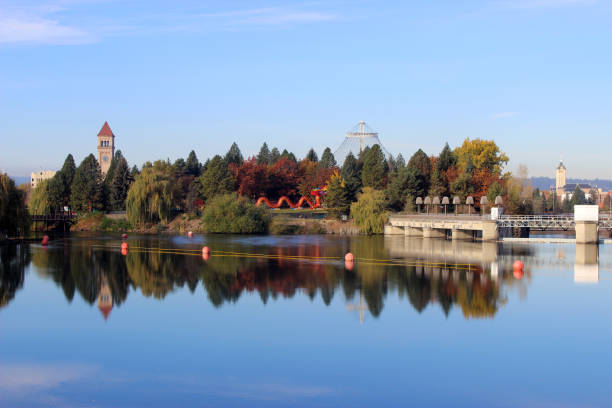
point(317, 193)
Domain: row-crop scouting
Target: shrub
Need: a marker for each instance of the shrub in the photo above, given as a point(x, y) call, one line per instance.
point(234, 214)
point(369, 211)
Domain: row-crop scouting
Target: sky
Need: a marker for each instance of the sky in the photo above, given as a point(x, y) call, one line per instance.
point(169, 77)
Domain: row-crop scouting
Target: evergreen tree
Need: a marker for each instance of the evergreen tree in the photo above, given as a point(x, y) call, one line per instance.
point(274, 156)
point(312, 156)
point(120, 185)
point(86, 190)
point(495, 190)
point(193, 164)
point(351, 175)
point(59, 186)
point(420, 165)
point(328, 160)
point(111, 169)
point(264, 155)
point(216, 179)
point(375, 168)
point(234, 156)
point(337, 198)
point(438, 186)
point(288, 156)
point(403, 189)
point(578, 197)
point(180, 166)
point(446, 159)
point(400, 162)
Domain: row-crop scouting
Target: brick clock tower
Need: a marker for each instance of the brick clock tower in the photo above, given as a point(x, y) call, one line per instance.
point(106, 147)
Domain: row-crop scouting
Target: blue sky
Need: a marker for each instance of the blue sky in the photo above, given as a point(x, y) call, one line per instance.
point(534, 75)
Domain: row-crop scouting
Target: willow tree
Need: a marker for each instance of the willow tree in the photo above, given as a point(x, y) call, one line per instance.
point(39, 200)
point(150, 196)
point(369, 211)
point(14, 218)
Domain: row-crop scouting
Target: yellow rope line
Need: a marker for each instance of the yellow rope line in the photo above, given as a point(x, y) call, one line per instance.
point(378, 262)
point(218, 253)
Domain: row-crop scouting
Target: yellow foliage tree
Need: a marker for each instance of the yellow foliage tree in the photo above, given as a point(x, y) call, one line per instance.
point(484, 154)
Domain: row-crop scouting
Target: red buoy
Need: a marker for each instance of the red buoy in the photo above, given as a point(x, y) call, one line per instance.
point(124, 245)
point(349, 265)
point(517, 271)
point(124, 251)
point(205, 256)
point(349, 257)
point(123, 236)
point(45, 240)
point(190, 234)
point(206, 250)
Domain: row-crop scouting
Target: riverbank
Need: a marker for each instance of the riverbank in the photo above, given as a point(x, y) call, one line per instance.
point(281, 224)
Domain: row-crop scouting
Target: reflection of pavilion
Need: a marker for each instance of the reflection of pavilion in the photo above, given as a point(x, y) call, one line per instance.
point(105, 298)
point(362, 307)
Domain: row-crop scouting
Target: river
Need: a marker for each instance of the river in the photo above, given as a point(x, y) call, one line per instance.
point(276, 321)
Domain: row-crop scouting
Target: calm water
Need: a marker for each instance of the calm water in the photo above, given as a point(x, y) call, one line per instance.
point(281, 321)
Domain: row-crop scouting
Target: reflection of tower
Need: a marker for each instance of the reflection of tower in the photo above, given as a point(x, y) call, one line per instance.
point(105, 298)
point(362, 307)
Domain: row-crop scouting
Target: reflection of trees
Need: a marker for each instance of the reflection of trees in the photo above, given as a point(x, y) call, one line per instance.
point(13, 261)
point(225, 278)
point(81, 268)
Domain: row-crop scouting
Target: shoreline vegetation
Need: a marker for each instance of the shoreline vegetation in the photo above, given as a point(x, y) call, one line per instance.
point(220, 195)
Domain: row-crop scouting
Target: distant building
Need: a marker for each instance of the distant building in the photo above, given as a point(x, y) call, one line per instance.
point(566, 191)
point(561, 176)
point(37, 177)
point(106, 147)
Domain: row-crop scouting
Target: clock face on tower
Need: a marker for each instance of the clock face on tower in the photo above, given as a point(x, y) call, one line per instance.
point(105, 158)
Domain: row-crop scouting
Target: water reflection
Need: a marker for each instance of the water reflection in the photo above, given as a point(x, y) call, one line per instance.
point(474, 277)
point(13, 261)
point(586, 268)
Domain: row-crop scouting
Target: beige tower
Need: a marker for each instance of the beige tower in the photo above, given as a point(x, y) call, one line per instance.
point(560, 176)
point(106, 147)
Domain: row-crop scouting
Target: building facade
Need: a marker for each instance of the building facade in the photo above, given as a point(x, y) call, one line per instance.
point(36, 178)
point(106, 147)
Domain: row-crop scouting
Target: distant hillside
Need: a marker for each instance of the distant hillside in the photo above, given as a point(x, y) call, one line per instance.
point(544, 183)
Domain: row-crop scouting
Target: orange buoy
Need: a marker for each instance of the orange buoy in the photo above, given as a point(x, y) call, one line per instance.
point(206, 250)
point(190, 234)
point(45, 240)
point(205, 256)
point(124, 251)
point(124, 245)
point(349, 265)
point(123, 236)
point(517, 264)
point(349, 257)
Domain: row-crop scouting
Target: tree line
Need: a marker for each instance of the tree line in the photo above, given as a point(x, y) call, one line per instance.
point(366, 186)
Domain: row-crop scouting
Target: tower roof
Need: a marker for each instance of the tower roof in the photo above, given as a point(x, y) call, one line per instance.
point(561, 166)
point(106, 130)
